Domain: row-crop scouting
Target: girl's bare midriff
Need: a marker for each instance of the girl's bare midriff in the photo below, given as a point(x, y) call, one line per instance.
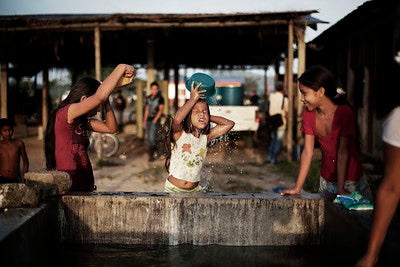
point(182, 183)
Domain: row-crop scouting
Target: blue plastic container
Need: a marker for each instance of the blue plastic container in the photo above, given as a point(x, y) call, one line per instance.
point(207, 83)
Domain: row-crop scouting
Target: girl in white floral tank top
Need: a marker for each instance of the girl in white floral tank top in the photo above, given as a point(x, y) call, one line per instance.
point(188, 138)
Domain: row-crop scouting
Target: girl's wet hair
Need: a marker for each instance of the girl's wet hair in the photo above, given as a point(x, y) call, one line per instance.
point(84, 87)
point(188, 128)
point(318, 76)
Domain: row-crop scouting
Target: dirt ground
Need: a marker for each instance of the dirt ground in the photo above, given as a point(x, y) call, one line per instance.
point(232, 166)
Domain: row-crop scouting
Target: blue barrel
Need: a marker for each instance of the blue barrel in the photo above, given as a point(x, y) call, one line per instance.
point(231, 95)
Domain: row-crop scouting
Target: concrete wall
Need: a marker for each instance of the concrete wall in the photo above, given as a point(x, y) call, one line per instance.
point(200, 219)
point(29, 235)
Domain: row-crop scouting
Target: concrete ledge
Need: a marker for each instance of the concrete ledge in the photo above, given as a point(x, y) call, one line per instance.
point(49, 183)
point(38, 186)
point(16, 195)
point(200, 219)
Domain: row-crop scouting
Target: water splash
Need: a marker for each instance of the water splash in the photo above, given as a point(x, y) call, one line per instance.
point(222, 150)
point(209, 184)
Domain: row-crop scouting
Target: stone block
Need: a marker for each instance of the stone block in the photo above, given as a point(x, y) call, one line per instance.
point(49, 183)
point(18, 195)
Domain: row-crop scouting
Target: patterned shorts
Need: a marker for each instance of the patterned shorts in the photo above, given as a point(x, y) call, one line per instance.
point(171, 188)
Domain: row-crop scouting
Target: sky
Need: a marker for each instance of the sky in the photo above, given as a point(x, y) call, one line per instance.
point(328, 10)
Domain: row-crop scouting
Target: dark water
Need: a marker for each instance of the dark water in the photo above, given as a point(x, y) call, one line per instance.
point(190, 255)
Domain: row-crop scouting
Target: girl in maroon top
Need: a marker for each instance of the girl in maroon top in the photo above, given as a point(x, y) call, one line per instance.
point(66, 139)
point(329, 119)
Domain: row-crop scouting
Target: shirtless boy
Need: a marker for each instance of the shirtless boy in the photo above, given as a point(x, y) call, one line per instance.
point(11, 153)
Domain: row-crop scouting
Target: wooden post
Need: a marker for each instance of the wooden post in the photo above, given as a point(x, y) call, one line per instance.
point(301, 53)
point(140, 88)
point(3, 91)
point(150, 64)
point(97, 52)
point(176, 79)
point(290, 91)
point(164, 92)
point(45, 92)
point(97, 59)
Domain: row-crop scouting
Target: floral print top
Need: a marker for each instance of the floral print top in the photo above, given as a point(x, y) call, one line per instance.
point(187, 157)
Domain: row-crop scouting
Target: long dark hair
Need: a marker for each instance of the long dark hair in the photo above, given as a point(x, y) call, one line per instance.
point(318, 76)
point(188, 128)
point(84, 87)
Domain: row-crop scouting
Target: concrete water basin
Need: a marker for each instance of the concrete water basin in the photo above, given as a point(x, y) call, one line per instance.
point(202, 220)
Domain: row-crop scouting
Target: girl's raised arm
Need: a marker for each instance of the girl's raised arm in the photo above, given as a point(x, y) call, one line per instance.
point(223, 127)
point(102, 93)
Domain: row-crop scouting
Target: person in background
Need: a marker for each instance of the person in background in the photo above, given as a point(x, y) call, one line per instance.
point(254, 98)
point(11, 152)
point(278, 104)
point(151, 118)
point(388, 194)
point(328, 118)
point(189, 137)
point(67, 137)
point(119, 104)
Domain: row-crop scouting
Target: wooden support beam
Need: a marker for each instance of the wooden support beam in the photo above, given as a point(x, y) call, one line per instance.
point(3, 91)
